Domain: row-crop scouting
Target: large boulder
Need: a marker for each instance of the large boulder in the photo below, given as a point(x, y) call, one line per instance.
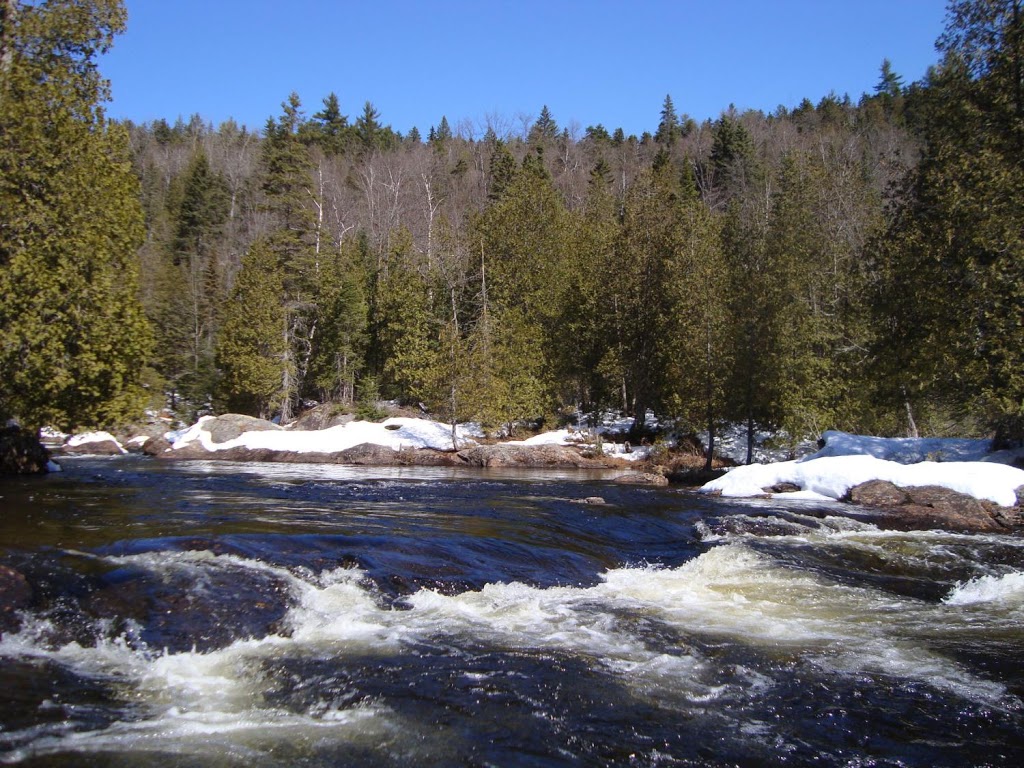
point(21, 453)
point(322, 417)
point(932, 507)
point(529, 456)
point(225, 428)
point(877, 493)
point(92, 444)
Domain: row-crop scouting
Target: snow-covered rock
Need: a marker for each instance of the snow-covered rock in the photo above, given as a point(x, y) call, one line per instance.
point(93, 444)
point(832, 477)
point(395, 433)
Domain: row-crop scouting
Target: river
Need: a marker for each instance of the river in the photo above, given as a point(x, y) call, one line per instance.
point(205, 614)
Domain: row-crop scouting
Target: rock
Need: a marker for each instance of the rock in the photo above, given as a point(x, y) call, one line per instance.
point(154, 446)
point(932, 507)
point(368, 454)
point(15, 594)
point(21, 453)
point(784, 488)
point(92, 444)
point(506, 455)
point(642, 478)
point(593, 500)
point(877, 493)
point(322, 417)
point(364, 454)
point(225, 428)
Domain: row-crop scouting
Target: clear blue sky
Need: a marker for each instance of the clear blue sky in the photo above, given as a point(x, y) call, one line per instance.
point(591, 62)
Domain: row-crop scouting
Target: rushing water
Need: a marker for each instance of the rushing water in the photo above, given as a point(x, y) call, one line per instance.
point(262, 615)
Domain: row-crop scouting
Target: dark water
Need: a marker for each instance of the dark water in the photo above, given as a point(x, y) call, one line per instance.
point(244, 615)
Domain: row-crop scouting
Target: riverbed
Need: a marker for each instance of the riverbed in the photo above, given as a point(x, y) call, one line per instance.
point(217, 614)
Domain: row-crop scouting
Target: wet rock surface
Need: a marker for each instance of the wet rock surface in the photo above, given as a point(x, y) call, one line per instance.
point(15, 594)
point(933, 507)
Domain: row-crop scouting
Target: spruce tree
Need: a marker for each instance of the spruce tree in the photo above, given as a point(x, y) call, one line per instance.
point(330, 127)
point(73, 338)
point(668, 126)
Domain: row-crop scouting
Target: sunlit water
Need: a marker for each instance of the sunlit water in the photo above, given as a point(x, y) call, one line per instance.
point(261, 615)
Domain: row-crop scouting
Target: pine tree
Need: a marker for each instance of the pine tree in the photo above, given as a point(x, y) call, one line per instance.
point(73, 338)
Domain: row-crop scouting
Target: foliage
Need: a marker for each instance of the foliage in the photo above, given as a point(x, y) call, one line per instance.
point(252, 348)
point(757, 268)
point(73, 337)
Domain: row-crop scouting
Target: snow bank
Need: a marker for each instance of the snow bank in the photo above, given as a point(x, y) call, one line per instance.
point(904, 450)
point(834, 476)
point(395, 433)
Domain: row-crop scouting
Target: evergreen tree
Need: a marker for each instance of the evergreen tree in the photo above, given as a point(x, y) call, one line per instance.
point(954, 252)
point(668, 126)
point(403, 332)
point(73, 338)
point(696, 350)
point(295, 239)
point(339, 345)
point(524, 241)
point(545, 130)
point(190, 292)
point(253, 353)
point(731, 154)
point(502, 170)
point(330, 127)
point(443, 133)
point(368, 127)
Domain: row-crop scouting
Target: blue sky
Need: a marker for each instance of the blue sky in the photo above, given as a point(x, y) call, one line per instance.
point(590, 62)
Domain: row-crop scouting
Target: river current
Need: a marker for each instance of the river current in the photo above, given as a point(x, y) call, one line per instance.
point(204, 614)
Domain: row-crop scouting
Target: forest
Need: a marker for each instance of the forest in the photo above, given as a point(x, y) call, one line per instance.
point(852, 263)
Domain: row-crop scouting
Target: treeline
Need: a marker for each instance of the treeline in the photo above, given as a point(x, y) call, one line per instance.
point(708, 272)
point(839, 264)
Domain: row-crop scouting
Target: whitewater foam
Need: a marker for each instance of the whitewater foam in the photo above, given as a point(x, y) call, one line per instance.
point(1006, 590)
point(636, 625)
